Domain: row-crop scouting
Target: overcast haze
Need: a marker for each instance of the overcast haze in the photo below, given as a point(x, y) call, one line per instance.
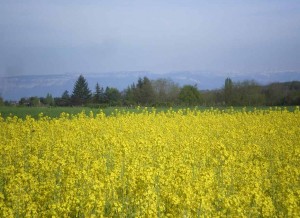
point(56, 37)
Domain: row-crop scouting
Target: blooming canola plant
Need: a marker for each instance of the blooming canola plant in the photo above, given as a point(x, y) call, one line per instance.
point(187, 163)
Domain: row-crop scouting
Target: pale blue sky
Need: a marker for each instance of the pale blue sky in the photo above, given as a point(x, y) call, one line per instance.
point(227, 37)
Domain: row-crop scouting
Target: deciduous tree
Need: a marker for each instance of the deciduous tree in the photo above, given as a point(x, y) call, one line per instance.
point(189, 95)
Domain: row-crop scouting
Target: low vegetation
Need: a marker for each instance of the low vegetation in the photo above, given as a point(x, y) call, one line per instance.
point(55, 112)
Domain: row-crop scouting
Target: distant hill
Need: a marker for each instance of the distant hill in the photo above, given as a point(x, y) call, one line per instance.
point(15, 87)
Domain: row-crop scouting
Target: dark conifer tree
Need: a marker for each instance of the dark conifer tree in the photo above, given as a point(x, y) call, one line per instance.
point(81, 92)
point(228, 91)
point(99, 94)
point(65, 99)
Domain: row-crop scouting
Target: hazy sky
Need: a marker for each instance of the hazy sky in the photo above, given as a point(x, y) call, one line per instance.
point(229, 36)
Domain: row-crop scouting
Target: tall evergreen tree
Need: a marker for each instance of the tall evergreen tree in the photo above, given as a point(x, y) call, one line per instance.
point(99, 94)
point(81, 92)
point(228, 91)
point(65, 99)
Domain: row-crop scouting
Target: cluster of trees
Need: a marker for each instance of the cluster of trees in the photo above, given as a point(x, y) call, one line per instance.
point(82, 95)
point(146, 92)
point(250, 93)
point(37, 101)
point(164, 92)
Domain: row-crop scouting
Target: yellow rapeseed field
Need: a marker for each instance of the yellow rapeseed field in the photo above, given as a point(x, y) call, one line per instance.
point(168, 164)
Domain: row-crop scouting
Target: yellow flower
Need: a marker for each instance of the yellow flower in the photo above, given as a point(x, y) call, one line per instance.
point(151, 164)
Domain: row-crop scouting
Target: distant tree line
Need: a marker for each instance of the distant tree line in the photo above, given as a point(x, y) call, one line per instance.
point(250, 93)
point(164, 92)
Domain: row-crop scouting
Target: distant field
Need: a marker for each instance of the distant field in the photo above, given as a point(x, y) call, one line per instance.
point(53, 112)
point(22, 112)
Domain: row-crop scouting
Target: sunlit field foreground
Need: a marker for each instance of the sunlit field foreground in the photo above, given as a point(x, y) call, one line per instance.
point(168, 164)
